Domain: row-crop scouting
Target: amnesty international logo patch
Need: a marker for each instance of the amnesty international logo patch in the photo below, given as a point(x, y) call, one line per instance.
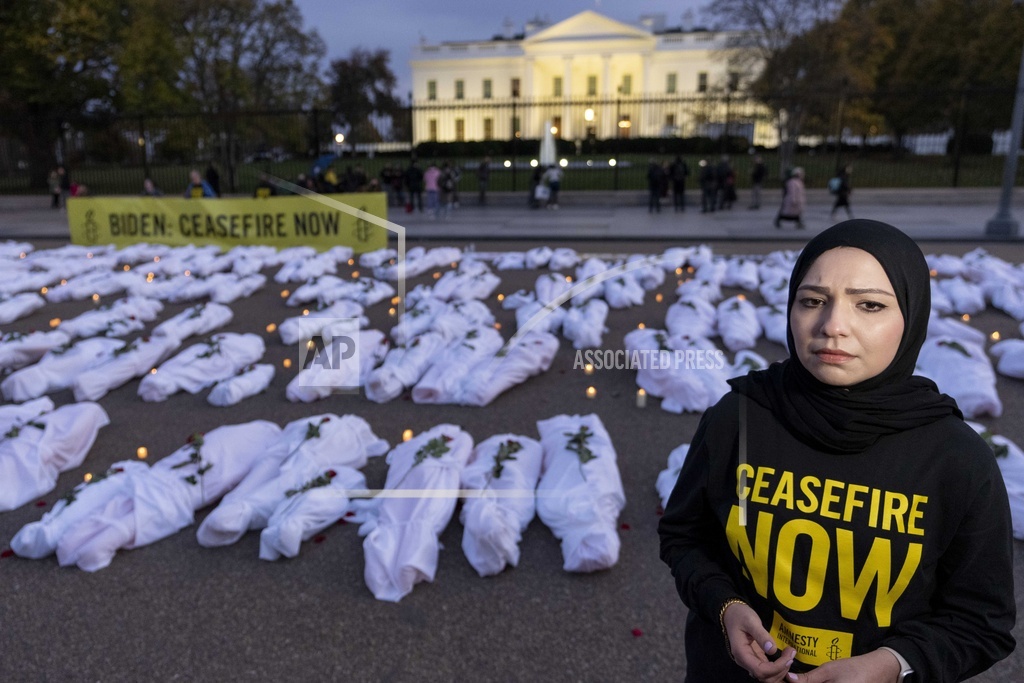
point(814, 646)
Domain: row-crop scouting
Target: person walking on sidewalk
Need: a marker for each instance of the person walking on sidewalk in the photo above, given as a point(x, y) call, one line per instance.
point(553, 179)
point(708, 187)
point(842, 191)
point(757, 175)
point(793, 201)
point(54, 182)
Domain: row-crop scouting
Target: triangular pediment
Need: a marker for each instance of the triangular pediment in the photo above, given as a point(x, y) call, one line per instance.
point(587, 26)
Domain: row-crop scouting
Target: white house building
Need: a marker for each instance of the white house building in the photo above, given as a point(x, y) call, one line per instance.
point(589, 75)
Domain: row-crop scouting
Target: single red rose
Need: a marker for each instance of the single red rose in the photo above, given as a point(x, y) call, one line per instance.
point(40, 503)
point(6, 552)
point(446, 438)
point(326, 419)
point(331, 474)
point(637, 633)
point(319, 538)
point(625, 527)
point(350, 514)
point(341, 522)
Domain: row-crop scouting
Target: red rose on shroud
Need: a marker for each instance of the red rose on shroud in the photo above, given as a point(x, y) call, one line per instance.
point(637, 633)
point(319, 538)
point(40, 503)
point(331, 474)
point(625, 527)
point(6, 552)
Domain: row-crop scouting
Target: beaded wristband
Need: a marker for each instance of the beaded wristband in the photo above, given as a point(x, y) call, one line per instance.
point(721, 622)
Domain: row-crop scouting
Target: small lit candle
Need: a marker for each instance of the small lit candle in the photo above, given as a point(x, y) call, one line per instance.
point(64, 282)
point(933, 272)
point(679, 271)
point(741, 297)
point(391, 311)
point(591, 392)
point(95, 297)
point(287, 362)
point(152, 371)
point(501, 297)
point(641, 326)
point(395, 300)
point(641, 398)
point(351, 261)
point(689, 269)
point(437, 276)
point(127, 267)
point(188, 273)
point(996, 336)
point(497, 326)
point(44, 290)
point(588, 369)
point(89, 255)
point(568, 278)
point(271, 328)
point(21, 255)
point(54, 322)
point(454, 264)
point(659, 298)
point(156, 259)
point(355, 274)
point(406, 435)
point(310, 344)
point(88, 477)
point(285, 293)
point(142, 452)
point(966, 318)
point(305, 311)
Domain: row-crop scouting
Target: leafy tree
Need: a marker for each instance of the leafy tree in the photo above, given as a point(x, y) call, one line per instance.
point(362, 93)
point(56, 63)
point(772, 37)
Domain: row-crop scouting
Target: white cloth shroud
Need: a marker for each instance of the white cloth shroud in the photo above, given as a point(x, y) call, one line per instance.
point(693, 316)
point(512, 365)
point(668, 477)
point(403, 366)
point(200, 365)
point(200, 319)
point(961, 369)
point(693, 377)
point(305, 449)
point(306, 513)
point(58, 369)
point(1009, 355)
point(303, 268)
point(38, 539)
point(402, 544)
point(584, 325)
point(580, 493)
point(443, 379)
point(18, 306)
point(473, 280)
point(737, 323)
point(157, 502)
point(132, 360)
point(34, 452)
point(773, 322)
point(111, 320)
point(1010, 459)
point(301, 327)
point(18, 350)
point(248, 382)
point(550, 320)
point(322, 378)
point(505, 470)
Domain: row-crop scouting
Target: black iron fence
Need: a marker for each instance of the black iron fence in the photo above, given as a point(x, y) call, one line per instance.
point(604, 143)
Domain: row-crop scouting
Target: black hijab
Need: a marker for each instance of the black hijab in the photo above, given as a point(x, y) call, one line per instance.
point(850, 419)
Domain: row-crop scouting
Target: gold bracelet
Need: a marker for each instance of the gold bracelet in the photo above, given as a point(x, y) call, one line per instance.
point(721, 622)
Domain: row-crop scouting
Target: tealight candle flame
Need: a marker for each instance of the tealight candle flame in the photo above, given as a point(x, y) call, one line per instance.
point(127, 267)
point(188, 273)
point(659, 298)
point(54, 322)
point(287, 362)
point(271, 327)
point(437, 276)
point(588, 369)
point(591, 392)
point(285, 293)
point(391, 311)
point(152, 371)
point(741, 297)
point(95, 297)
point(396, 300)
point(501, 297)
point(965, 317)
point(44, 290)
point(933, 272)
point(305, 311)
point(351, 261)
point(156, 259)
point(406, 435)
point(641, 398)
point(641, 326)
point(88, 477)
point(996, 336)
point(497, 326)
point(568, 278)
point(142, 452)
point(355, 274)
point(679, 271)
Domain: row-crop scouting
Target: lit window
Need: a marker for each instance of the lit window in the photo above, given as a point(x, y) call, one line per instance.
point(460, 89)
point(702, 82)
point(670, 84)
point(556, 86)
point(487, 88)
point(627, 84)
point(591, 85)
point(431, 90)
point(433, 130)
point(488, 129)
point(460, 129)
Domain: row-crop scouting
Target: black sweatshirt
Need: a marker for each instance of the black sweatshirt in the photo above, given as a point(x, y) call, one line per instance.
point(907, 544)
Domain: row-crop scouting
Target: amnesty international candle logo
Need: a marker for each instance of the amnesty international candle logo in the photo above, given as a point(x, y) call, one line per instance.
point(814, 646)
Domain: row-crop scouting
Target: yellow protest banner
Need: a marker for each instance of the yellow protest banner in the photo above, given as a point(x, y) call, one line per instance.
point(283, 221)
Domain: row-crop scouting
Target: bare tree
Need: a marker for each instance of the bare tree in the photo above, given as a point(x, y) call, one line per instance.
point(768, 44)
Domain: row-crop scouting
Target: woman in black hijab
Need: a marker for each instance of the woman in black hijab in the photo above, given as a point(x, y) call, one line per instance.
point(836, 520)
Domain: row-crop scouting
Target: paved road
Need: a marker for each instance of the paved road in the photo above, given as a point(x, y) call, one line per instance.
point(176, 611)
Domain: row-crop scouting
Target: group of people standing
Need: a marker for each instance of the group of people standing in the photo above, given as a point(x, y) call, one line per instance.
point(60, 187)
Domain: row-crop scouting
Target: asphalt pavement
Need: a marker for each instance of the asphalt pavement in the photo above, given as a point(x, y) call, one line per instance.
point(175, 611)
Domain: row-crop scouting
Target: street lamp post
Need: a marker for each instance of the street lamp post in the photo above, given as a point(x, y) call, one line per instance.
point(1003, 223)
